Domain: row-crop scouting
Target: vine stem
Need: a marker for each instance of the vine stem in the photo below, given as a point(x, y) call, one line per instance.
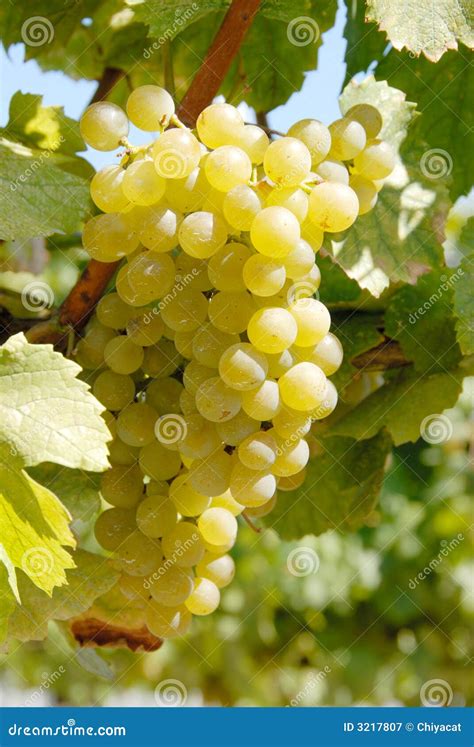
point(88, 290)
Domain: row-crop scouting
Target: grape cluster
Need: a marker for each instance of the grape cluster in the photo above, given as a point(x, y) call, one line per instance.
point(212, 354)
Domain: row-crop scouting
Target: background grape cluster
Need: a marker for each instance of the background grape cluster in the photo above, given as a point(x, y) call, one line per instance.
point(212, 354)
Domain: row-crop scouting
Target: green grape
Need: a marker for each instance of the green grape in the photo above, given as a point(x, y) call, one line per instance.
point(114, 390)
point(292, 456)
point(333, 207)
point(254, 141)
point(187, 403)
point(226, 501)
point(172, 586)
point(132, 587)
point(303, 387)
point(291, 424)
point(145, 327)
point(376, 161)
point(218, 526)
point(366, 192)
point(176, 153)
point(110, 422)
point(315, 136)
point(103, 125)
point(211, 476)
point(293, 482)
point(161, 360)
point(122, 486)
point(156, 515)
point(94, 343)
point(157, 462)
point(195, 374)
point(157, 487)
point(106, 190)
point(150, 276)
point(262, 403)
point(184, 343)
point(209, 344)
point(312, 319)
point(217, 402)
point(231, 312)
point(242, 367)
point(233, 431)
point(327, 354)
point(185, 310)
point(109, 237)
point(348, 139)
point(200, 438)
point(187, 500)
point(275, 231)
point(136, 424)
point(122, 355)
point(183, 545)
point(291, 198)
point(240, 206)
point(278, 363)
point(333, 171)
point(257, 512)
point(139, 555)
point(226, 167)
point(312, 235)
point(163, 395)
point(167, 622)
point(219, 124)
point(264, 276)
point(202, 234)
point(187, 195)
point(141, 184)
point(251, 487)
point(368, 116)
point(122, 453)
point(258, 451)
point(112, 312)
point(213, 202)
point(150, 107)
point(328, 405)
point(205, 597)
point(192, 273)
point(272, 329)
point(158, 229)
point(226, 266)
point(299, 261)
point(287, 162)
point(113, 526)
point(220, 569)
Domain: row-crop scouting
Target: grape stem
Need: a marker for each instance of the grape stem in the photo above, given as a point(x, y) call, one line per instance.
point(249, 521)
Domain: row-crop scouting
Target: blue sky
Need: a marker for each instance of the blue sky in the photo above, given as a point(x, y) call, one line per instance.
point(317, 98)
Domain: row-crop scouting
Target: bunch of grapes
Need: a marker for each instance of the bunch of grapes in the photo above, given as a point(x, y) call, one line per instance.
point(212, 354)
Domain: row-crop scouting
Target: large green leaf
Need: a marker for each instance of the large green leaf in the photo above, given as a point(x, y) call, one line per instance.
point(46, 412)
point(424, 26)
point(34, 527)
point(442, 137)
point(463, 295)
point(358, 333)
point(339, 492)
point(365, 43)
point(77, 490)
point(402, 405)
point(421, 318)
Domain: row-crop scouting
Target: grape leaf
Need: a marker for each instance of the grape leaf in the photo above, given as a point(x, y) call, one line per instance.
point(337, 290)
point(357, 333)
point(340, 489)
point(7, 602)
point(445, 127)
point(424, 26)
point(464, 306)
point(76, 489)
point(46, 412)
point(401, 405)
point(91, 577)
point(421, 318)
point(34, 527)
point(365, 43)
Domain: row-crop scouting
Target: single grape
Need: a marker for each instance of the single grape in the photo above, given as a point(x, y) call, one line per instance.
point(218, 526)
point(150, 276)
point(139, 555)
point(303, 387)
point(368, 116)
point(333, 171)
point(200, 438)
point(161, 360)
point(209, 344)
point(240, 206)
point(187, 500)
point(167, 622)
point(348, 139)
point(233, 431)
point(315, 136)
point(172, 586)
point(176, 154)
point(287, 162)
point(376, 161)
point(327, 354)
point(264, 276)
point(333, 207)
point(136, 424)
point(292, 456)
point(291, 198)
point(231, 312)
point(122, 355)
point(226, 167)
point(195, 374)
point(106, 190)
point(163, 395)
point(122, 486)
point(275, 231)
point(150, 107)
point(263, 402)
point(328, 405)
point(187, 194)
point(211, 476)
point(183, 545)
point(158, 462)
point(109, 237)
point(242, 367)
point(158, 229)
point(122, 453)
point(258, 451)
point(112, 312)
point(366, 192)
point(272, 330)
point(103, 125)
point(141, 184)
point(217, 402)
point(205, 597)
point(219, 124)
point(220, 569)
point(202, 234)
point(113, 526)
point(300, 260)
point(114, 390)
point(251, 487)
point(156, 515)
point(254, 141)
point(226, 266)
point(312, 319)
